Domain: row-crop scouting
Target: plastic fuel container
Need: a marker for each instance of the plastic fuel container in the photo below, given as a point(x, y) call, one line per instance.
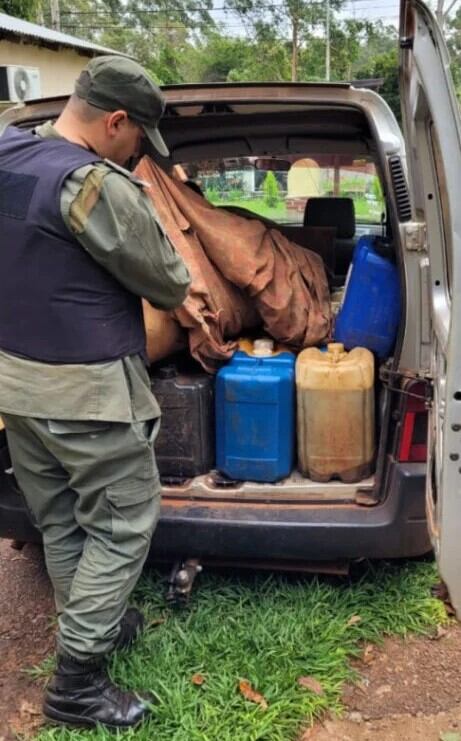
point(335, 399)
point(185, 444)
point(255, 413)
point(370, 313)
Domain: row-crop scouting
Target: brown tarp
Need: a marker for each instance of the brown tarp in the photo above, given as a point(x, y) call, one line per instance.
point(244, 274)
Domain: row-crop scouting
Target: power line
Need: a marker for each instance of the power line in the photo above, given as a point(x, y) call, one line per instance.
point(225, 8)
point(127, 27)
point(172, 9)
point(126, 18)
point(107, 20)
point(124, 21)
point(164, 27)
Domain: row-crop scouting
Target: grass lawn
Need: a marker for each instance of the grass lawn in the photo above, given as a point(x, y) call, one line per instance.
point(364, 210)
point(367, 211)
point(267, 629)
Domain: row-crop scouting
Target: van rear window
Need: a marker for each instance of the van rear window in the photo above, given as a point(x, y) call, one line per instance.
point(278, 188)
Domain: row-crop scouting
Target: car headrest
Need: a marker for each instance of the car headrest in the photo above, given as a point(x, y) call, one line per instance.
point(335, 212)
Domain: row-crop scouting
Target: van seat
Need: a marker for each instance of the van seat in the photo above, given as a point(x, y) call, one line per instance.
point(337, 213)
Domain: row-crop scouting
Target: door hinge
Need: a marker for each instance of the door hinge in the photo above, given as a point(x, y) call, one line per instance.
point(406, 42)
point(415, 236)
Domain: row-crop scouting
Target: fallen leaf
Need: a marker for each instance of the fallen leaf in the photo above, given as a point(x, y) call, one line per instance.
point(450, 736)
point(28, 709)
point(157, 621)
point(250, 694)
point(354, 620)
point(312, 684)
point(440, 633)
point(368, 654)
point(198, 680)
point(363, 686)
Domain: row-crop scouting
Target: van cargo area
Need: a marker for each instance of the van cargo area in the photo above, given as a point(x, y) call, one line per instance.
point(333, 153)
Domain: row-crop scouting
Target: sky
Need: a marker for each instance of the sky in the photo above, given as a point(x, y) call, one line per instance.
point(372, 10)
point(385, 10)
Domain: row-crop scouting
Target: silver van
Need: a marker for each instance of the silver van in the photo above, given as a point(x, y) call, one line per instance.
point(413, 500)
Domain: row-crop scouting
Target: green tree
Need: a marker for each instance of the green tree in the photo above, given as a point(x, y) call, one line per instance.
point(87, 19)
point(177, 40)
point(160, 34)
point(271, 190)
point(267, 58)
point(347, 37)
point(377, 39)
point(26, 9)
point(294, 23)
point(217, 58)
point(386, 67)
point(454, 45)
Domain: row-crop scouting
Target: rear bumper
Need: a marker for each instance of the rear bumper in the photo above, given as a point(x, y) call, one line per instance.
point(282, 532)
point(394, 529)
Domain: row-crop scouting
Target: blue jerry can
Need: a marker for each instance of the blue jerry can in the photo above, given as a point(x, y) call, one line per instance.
point(255, 416)
point(370, 314)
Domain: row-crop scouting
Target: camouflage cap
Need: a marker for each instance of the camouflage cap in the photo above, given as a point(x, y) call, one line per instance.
point(111, 83)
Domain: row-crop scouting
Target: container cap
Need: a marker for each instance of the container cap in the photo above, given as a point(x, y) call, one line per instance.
point(263, 348)
point(335, 348)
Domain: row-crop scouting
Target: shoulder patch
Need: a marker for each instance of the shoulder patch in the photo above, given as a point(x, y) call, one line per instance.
point(122, 171)
point(82, 206)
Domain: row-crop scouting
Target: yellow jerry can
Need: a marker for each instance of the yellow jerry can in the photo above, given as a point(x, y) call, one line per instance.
point(335, 400)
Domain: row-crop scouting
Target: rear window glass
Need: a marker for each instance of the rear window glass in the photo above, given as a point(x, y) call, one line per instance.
point(278, 188)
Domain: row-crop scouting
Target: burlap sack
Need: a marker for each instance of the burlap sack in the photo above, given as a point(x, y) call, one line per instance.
point(164, 336)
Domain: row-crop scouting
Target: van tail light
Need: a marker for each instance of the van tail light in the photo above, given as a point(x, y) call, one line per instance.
point(412, 446)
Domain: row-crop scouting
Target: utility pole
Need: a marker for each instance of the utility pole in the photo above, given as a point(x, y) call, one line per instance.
point(327, 41)
point(55, 15)
point(294, 51)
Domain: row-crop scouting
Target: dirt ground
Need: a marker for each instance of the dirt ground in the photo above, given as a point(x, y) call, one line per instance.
point(26, 636)
point(408, 690)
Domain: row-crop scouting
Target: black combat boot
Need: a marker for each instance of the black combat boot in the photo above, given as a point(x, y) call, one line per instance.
point(81, 694)
point(131, 626)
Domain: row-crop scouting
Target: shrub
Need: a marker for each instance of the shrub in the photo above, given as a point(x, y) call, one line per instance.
point(271, 190)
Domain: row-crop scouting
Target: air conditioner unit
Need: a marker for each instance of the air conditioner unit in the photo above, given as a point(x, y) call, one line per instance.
point(19, 83)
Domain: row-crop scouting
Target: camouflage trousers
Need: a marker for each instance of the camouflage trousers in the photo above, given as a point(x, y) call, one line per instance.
point(93, 490)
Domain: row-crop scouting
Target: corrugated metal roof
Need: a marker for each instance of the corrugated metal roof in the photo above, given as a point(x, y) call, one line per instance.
point(37, 33)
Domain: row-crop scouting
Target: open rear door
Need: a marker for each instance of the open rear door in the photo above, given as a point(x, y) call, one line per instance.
point(432, 131)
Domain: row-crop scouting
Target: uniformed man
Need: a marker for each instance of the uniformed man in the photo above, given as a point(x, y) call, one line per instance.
point(80, 245)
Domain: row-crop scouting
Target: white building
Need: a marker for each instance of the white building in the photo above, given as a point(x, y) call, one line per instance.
point(56, 56)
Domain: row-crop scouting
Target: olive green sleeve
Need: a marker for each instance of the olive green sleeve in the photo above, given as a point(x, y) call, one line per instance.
point(114, 221)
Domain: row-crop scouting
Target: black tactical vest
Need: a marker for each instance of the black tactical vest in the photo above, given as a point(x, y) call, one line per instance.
point(57, 305)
